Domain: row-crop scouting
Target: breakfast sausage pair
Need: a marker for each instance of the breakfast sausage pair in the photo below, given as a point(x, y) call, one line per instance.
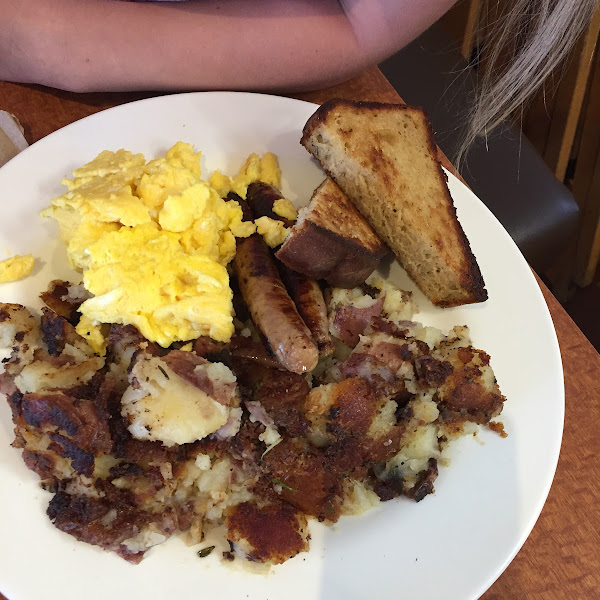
point(296, 327)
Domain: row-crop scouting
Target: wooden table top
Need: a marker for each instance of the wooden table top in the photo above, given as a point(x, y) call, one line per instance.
point(561, 558)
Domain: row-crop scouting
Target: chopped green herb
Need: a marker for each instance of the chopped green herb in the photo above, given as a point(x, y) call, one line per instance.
point(283, 485)
point(205, 551)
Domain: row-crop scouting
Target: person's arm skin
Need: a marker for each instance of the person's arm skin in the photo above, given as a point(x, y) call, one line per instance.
point(91, 45)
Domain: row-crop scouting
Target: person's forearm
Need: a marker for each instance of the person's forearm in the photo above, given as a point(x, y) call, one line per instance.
point(87, 45)
point(112, 45)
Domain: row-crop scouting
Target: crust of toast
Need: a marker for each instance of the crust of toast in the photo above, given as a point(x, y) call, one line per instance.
point(383, 156)
point(332, 240)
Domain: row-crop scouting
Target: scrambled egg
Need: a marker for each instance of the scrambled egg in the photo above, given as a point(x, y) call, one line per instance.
point(91, 331)
point(273, 232)
point(265, 169)
point(15, 268)
point(153, 240)
point(284, 208)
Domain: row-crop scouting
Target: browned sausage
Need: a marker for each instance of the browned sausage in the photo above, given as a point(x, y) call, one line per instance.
point(261, 197)
point(308, 298)
point(304, 291)
point(272, 310)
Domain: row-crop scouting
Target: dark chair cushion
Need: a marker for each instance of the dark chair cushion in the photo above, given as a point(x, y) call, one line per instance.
point(505, 171)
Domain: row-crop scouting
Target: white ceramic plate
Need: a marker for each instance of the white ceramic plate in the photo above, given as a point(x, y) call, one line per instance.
point(453, 544)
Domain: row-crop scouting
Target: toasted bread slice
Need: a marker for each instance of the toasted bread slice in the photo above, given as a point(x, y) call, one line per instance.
point(331, 240)
point(384, 158)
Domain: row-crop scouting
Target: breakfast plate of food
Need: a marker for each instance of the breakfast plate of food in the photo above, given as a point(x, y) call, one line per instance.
point(256, 348)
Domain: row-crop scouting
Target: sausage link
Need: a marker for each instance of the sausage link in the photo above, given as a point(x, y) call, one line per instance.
point(261, 197)
point(308, 298)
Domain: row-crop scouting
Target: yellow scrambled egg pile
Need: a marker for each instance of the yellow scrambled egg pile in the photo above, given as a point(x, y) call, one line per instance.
point(153, 240)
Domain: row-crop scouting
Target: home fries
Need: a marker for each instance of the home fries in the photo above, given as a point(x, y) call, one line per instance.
point(227, 363)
